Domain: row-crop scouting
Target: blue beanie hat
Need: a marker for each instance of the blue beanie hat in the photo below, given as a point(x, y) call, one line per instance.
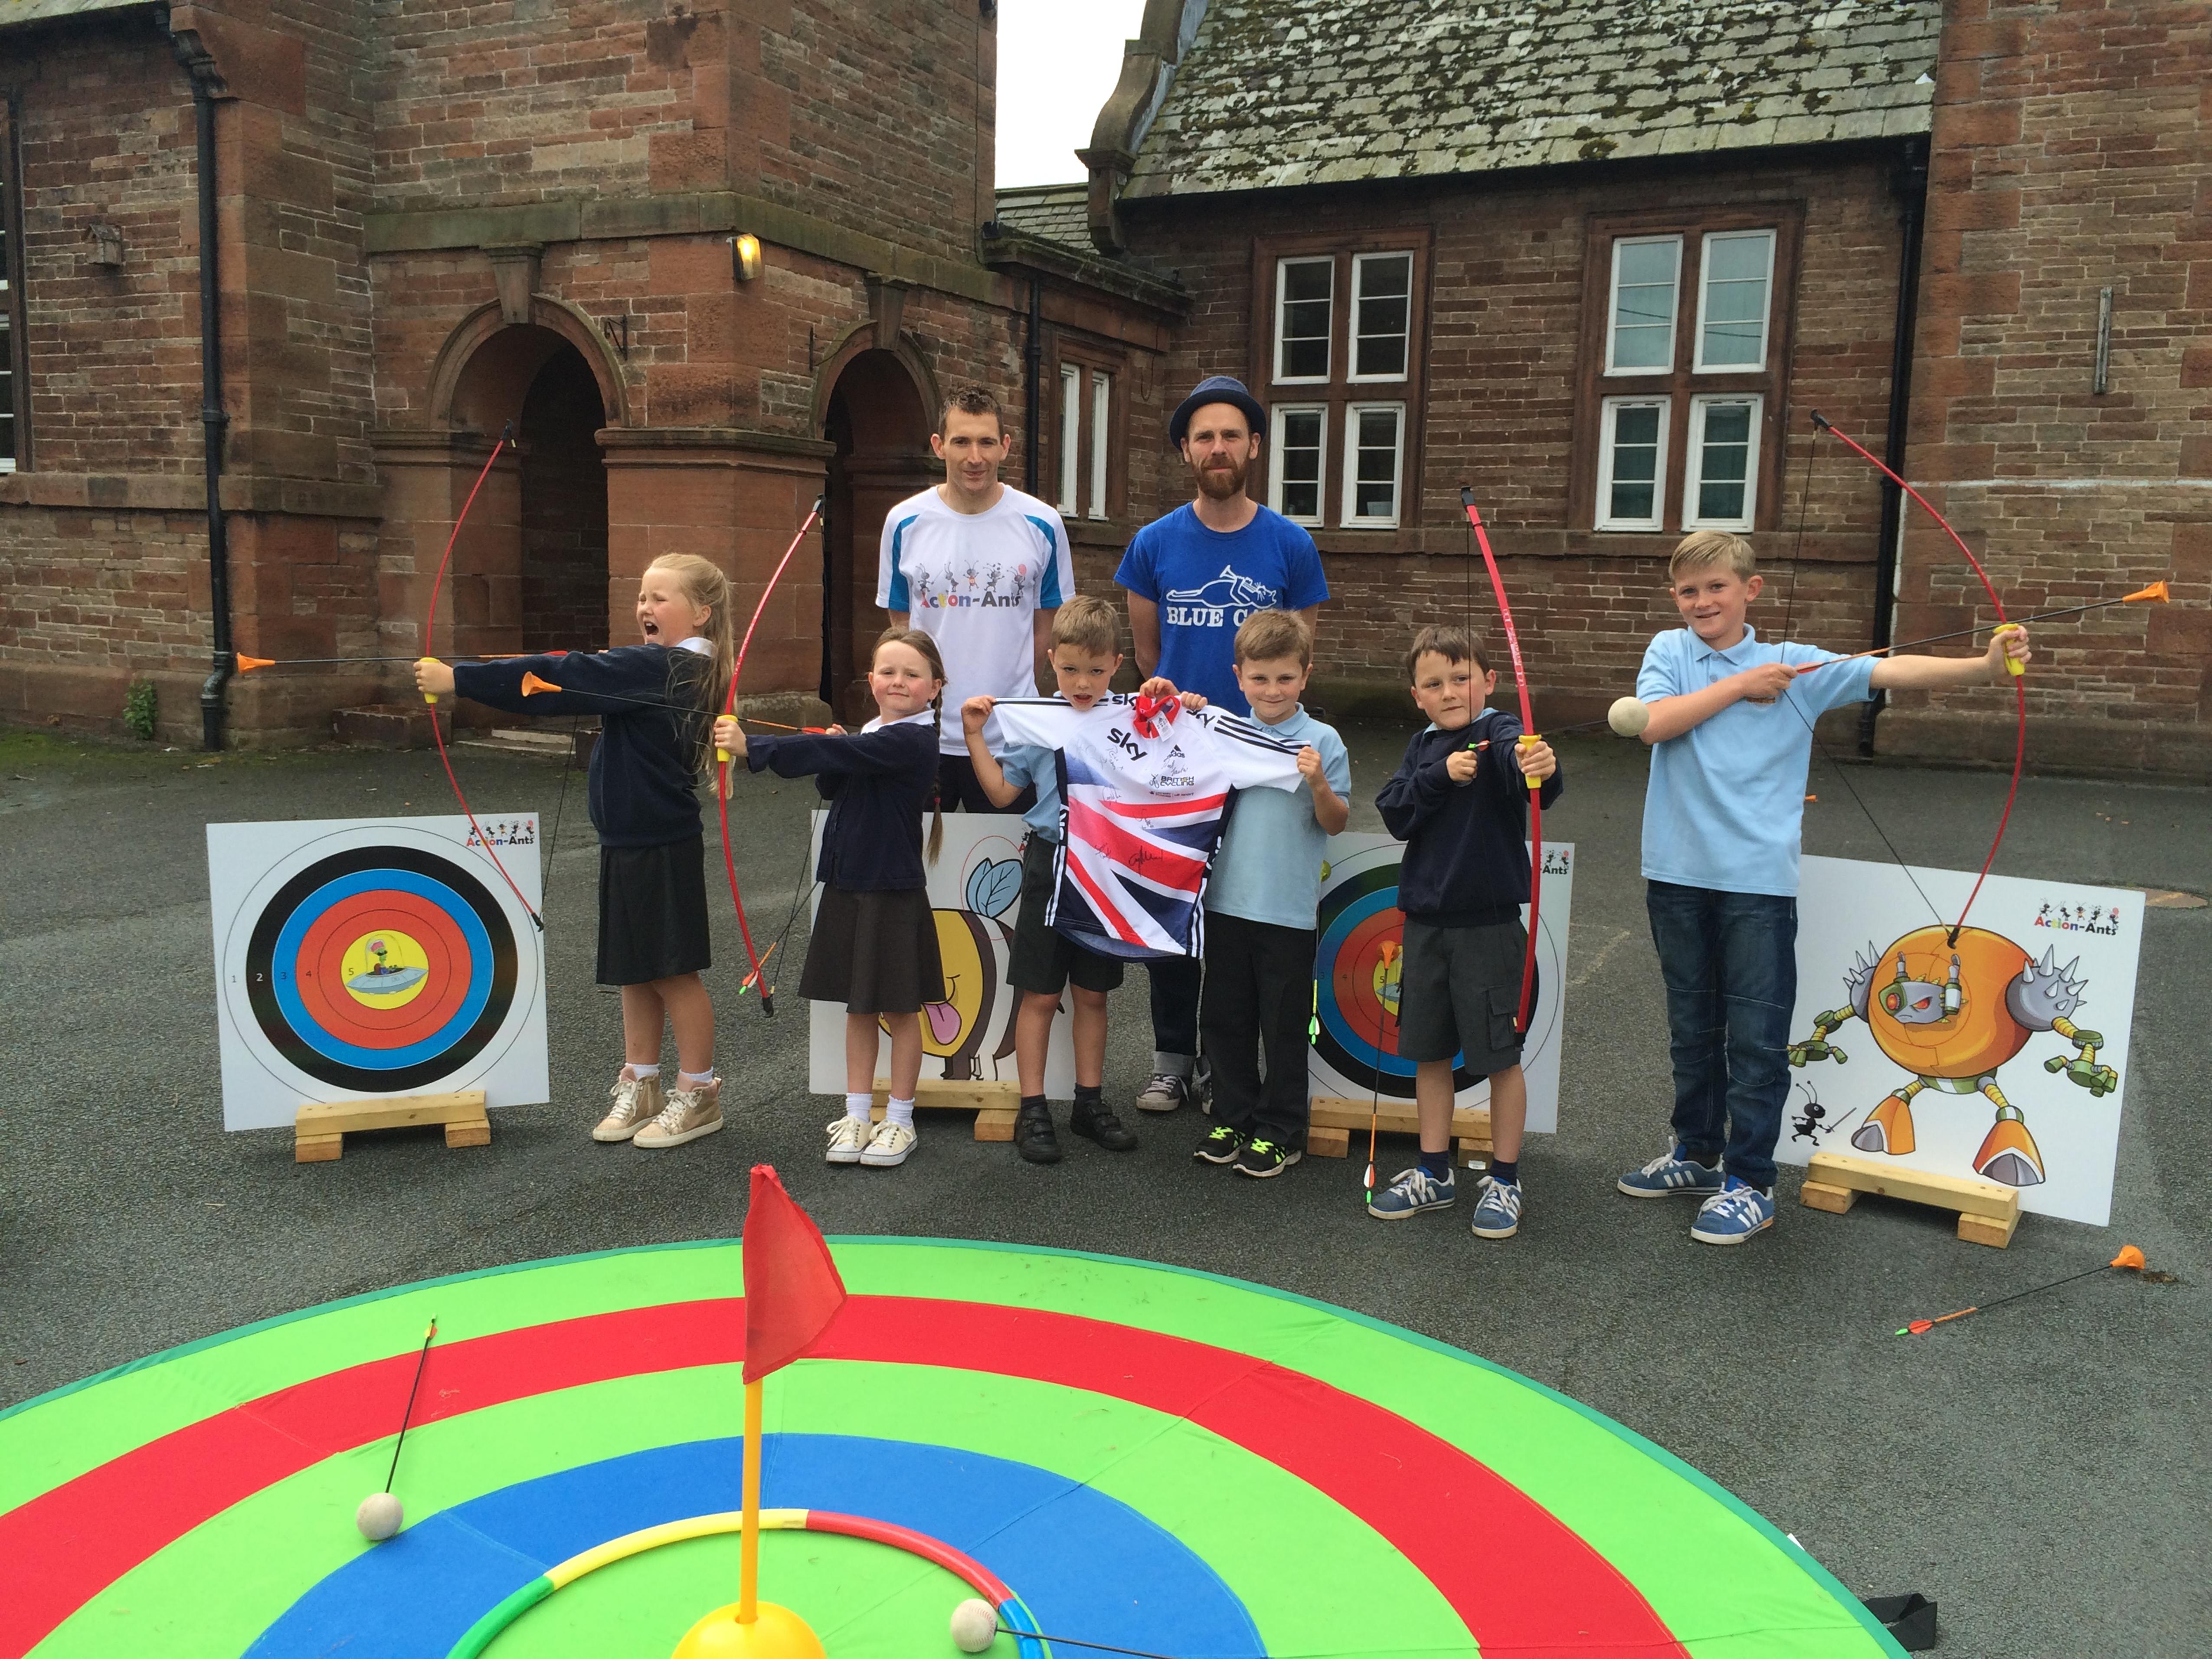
point(1215, 389)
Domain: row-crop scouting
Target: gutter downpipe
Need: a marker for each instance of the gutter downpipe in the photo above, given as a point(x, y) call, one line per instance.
point(1032, 372)
point(1910, 184)
point(212, 421)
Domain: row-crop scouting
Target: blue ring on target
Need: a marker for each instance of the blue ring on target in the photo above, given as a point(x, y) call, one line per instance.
point(300, 1042)
point(1356, 1044)
point(310, 910)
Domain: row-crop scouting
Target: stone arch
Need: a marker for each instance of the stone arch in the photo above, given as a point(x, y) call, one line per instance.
point(485, 367)
point(864, 337)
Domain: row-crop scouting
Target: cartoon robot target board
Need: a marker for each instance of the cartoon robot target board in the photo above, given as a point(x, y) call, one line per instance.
point(1355, 1049)
point(967, 1039)
point(374, 959)
point(1998, 1055)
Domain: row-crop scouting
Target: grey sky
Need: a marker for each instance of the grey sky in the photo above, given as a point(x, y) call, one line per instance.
point(1058, 60)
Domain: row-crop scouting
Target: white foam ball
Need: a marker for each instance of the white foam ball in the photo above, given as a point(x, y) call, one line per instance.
point(1629, 716)
point(974, 1624)
point(378, 1516)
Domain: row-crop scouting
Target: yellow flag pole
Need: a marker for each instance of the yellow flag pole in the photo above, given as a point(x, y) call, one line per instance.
point(749, 1538)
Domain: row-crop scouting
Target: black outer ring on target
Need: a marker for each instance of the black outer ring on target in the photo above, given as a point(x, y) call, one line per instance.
point(261, 964)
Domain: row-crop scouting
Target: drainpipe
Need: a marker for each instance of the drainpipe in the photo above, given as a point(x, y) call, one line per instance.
point(201, 68)
point(1911, 184)
point(1032, 371)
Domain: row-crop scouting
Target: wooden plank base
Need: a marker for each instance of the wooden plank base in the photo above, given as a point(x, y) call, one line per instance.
point(995, 1104)
point(1988, 1211)
point(318, 1132)
point(1336, 1122)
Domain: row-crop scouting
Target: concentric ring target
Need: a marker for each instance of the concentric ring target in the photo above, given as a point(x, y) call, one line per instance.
point(376, 968)
point(1142, 1455)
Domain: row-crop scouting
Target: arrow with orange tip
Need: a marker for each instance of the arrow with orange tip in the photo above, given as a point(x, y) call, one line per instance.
point(1388, 950)
point(246, 665)
point(2154, 594)
point(535, 685)
point(2129, 1257)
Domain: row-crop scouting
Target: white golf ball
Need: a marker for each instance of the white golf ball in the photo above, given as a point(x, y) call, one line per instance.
point(974, 1624)
point(1629, 716)
point(378, 1516)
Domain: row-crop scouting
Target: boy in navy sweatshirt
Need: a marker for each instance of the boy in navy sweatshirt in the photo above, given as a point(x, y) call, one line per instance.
point(1459, 801)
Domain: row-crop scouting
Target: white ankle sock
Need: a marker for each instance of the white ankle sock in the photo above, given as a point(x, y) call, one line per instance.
point(643, 1073)
point(899, 1112)
point(860, 1106)
point(688, 1080)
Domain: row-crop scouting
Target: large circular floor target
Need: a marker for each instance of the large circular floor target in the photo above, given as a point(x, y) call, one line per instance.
point(1145, 1456)
point(1356, 991)
point(377, 969)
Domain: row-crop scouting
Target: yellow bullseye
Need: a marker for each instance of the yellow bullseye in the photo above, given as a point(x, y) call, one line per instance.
point(386, 969)
point(776, 1634)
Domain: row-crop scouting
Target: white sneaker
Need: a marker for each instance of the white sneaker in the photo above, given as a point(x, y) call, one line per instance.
point(848, 1138)
point(689, 1114)
point(637, 1103)
point(889, 1145)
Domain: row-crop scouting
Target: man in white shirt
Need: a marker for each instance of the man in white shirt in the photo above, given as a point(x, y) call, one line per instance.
point(980, 568)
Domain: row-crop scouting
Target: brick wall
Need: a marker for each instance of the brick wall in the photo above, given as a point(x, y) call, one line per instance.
point(1500, 410)
point(2071, 154)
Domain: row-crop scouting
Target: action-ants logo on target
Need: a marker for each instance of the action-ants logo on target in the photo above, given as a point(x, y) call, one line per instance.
point(517, 832)
point(2078, 918)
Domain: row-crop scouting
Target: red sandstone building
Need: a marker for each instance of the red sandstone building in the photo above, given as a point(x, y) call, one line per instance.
point(1598, 261)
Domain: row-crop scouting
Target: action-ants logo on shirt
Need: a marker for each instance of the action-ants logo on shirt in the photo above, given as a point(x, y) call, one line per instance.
point(1224, 602)
point(979, 589)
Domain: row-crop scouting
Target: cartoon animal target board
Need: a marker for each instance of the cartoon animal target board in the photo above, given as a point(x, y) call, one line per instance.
point(1998, 1054)
point(974, 894)
point(360, 958)
point(1355, 1049)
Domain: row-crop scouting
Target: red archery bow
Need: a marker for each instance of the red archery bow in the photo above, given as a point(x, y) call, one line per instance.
point(1528, 738)
point(722, 758)
point(1820, 423)
point(429, 621)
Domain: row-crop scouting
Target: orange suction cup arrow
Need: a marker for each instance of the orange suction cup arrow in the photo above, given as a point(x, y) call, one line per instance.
point(2155, 593)
point(246, 665)
point(2129, 1256)
point(532, 685)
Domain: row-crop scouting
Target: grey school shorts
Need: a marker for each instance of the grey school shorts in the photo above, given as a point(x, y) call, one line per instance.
point(1458, 991)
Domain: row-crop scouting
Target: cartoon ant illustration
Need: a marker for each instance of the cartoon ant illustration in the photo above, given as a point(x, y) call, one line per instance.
point(1807, 1127)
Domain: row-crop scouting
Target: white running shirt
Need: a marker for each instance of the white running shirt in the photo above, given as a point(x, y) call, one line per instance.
point(1142, 802)
point(974, 583)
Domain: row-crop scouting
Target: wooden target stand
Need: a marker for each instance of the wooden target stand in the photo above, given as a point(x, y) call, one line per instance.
point(1335, 1120)
point(995, 1104)
point(1988, 1211)
point(318, 1132)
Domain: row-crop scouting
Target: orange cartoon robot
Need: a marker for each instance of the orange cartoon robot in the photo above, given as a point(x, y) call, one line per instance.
point(1951, 1010)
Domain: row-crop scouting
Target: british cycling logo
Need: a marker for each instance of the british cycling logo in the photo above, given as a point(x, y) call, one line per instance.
point(1224, 602)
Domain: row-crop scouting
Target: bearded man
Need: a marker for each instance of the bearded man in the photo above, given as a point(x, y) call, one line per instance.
point(1193, 577)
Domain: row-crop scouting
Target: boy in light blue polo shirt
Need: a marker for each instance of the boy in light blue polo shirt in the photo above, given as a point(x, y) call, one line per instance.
point(1722, 819)
point(1261, 896)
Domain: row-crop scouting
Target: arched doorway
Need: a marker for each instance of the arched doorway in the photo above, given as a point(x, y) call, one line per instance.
point(876, 422)
point(565, 598)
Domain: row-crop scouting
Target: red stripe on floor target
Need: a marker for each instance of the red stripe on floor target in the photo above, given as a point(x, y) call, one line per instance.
point(1523, 1582)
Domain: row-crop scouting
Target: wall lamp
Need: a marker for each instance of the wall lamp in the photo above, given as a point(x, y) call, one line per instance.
point(745, 256)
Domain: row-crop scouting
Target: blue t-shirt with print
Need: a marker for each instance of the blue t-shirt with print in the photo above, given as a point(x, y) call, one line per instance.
point(1206, 583)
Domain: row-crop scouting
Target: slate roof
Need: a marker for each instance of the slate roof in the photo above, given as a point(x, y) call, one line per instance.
point(1056, 213)
point(1299, 92)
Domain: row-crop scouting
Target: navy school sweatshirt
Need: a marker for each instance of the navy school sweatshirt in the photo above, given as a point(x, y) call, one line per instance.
point(879, 784)
point(644, 792)
point(1466, 863)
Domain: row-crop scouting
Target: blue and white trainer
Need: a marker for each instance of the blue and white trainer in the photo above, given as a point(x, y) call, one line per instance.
point(1497, 1210)
point(1670, 1174)
point(1733, 1213)
point(1414, 1191)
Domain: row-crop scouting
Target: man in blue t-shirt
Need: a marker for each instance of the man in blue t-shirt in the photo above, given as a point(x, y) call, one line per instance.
point(1193, 577)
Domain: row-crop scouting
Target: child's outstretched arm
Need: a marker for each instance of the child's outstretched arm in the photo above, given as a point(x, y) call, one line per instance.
point(2009, 644)
point(974, 714)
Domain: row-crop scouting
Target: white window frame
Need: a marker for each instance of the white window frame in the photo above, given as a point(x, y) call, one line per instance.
point(1705, 286)
point(1349, 499)
point(7, 347)
point(1359, 262)
point(1071, 427)
point(1102, 422)
point(1282, 291)
point(1693, 476)
point(1609, 412)
point(1613, 305)
point(1276, 417)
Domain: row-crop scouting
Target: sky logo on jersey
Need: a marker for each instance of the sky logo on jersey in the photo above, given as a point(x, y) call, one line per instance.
point(1224, 602)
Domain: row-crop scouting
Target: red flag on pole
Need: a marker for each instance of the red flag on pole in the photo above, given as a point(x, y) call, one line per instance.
point(791, 1288)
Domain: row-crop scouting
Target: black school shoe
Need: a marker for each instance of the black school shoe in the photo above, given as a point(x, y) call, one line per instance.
point(1033, 1135)
point(1263, 1159)
point(1221, 1145)
point(1098, 1123)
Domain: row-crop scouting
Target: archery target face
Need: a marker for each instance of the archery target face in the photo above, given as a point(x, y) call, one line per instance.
point(366, 959)
point(1355, 1052)
point(1145, 1456)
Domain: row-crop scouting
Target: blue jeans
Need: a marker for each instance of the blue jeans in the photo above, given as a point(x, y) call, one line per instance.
point(1730, 965)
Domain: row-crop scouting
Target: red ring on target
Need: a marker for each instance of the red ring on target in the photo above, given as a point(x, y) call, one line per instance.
point(321, 972)
point(1354, 974)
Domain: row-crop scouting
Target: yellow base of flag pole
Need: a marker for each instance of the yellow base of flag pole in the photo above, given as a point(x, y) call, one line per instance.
point(751, 1628)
